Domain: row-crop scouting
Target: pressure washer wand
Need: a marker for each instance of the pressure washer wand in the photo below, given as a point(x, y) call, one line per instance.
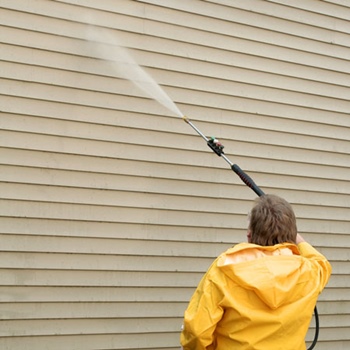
point(218, 148)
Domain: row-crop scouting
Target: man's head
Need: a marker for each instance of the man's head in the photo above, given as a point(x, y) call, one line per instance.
point(272, 221)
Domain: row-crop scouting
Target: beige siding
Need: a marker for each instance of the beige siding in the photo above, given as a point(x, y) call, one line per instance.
point(112, 208)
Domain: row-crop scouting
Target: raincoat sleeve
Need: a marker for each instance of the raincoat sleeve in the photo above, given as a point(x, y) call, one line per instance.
point(319, 261)
point(203, 313)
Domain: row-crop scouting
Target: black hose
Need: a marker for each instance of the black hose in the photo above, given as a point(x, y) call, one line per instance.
point(316, 330)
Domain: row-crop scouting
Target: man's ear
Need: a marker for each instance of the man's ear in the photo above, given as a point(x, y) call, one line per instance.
point(249, 236)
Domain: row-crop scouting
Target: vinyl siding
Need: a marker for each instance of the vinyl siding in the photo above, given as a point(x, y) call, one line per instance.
point(112, 208)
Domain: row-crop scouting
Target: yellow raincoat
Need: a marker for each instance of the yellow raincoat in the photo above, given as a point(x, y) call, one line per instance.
point(256, 298)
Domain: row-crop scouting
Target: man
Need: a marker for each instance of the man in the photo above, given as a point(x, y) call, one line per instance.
point(258, 295)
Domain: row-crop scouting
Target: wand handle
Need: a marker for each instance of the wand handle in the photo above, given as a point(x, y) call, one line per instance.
point(247, 180)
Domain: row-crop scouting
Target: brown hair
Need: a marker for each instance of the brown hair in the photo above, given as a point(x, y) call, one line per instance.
point(272, 221)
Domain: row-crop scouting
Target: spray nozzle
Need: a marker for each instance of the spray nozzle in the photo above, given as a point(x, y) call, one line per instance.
point(216, 146)
point(212, 142)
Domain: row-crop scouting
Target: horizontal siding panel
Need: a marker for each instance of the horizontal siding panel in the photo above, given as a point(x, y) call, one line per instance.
point(332, 321)
point(20, 328)
point(335, 308)
point(115, 247)
point(47, 210)
point(80, 278)
point(159, 341)
point(110, 261)
point(94, 294)
point(339, 281)
point(122, 199)
point(332, 334)
point(100, 229)
point(338, 344)
point(92, 310)
point(101, 181)
point(334, 294)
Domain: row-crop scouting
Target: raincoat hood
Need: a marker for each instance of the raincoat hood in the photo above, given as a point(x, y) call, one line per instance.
point(256, 297)
point(273, 279)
